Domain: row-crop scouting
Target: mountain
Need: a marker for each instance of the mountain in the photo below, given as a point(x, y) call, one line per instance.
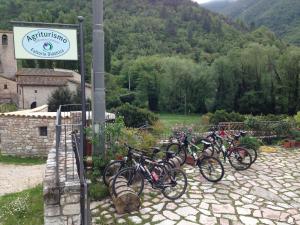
point(282, 17)
point(138, 27)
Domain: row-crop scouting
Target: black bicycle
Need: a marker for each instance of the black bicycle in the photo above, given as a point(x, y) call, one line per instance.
point(171, 182)
point(210, 167)
point(133, 154)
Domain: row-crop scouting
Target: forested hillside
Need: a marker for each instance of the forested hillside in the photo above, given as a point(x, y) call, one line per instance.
point(178, 56)
point(282, 17)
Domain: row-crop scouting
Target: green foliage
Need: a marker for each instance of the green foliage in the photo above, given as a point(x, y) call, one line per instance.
point(8, 108)
point(98, 191)
point(282, 17)
point(25, 207)
point(250, 142)
point(134, 116)
point(223, 116)
point(21, 161)
point(60, 96)
point(297, 118)
point(181, 58)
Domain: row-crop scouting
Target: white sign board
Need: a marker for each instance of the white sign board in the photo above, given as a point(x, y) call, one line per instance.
point(45, 43)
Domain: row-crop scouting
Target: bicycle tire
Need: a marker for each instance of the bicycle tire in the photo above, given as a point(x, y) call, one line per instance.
point(124, 173)
point(110, 169)
point(170, 175)
point(240, 159)
point(212, 163)
point(179, 151)
point(252, 152)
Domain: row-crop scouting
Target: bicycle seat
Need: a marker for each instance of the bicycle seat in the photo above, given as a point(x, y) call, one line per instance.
point(243, 133)
point(155, 150)
point(170, 154)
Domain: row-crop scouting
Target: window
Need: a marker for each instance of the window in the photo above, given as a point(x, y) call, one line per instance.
point(5, 86)
point(43, 131)
point(4, 39)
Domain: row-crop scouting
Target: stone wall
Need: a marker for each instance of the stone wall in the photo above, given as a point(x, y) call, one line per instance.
point(25, 135)
point(62, 201)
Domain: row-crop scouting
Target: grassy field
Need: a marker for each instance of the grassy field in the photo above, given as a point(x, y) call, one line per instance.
point(21, 161)
point(23, 208)
point(171, 120)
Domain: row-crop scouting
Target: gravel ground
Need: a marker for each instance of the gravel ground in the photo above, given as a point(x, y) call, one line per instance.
point(15, 178)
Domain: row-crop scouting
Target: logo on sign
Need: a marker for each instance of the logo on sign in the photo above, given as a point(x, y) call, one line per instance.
point(46, 43)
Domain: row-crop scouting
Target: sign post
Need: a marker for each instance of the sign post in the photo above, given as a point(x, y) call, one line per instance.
point(48, 41)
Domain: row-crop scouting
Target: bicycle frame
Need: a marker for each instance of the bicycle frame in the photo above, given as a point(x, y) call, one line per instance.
point(155, 184)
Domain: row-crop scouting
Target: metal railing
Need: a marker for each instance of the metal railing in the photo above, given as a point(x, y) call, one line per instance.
point(69, 153)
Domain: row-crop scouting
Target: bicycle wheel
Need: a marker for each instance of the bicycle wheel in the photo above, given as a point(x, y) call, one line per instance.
point(174, 184)
point(112, 169)
point(240, 158)
point(252, 152)
point(178, 150)
point(211, 168)
point(128, 177)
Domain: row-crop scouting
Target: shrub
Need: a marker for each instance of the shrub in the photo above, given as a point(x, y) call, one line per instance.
point(250, 142)
point(297, 118)
point(98, 191)
point(223, 116)
point(134, 116)
point(60, 96)
point(127, 98)
point(8, 108)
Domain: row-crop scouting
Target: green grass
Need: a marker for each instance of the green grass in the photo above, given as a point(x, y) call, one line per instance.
point(21, 161)
point(170, 120)
point(23, 208)
point(8, 108)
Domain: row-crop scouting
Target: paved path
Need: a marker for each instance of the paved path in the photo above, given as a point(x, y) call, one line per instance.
point(15, 178)
point(267, 193)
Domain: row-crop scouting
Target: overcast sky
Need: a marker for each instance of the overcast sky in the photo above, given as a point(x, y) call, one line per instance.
point(202, 1)
point(205, 1)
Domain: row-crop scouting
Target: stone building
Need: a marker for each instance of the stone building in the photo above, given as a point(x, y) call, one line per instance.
point(35, 86)
point(30, 88)
point(8, 90)
point(32, 132)
point(8, 63)
point(27, 133)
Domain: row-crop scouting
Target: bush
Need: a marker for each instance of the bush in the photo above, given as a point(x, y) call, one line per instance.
point(98, 191)
point(223, 116)
point(8, 108)
point(250, 142)
point(134, 116)
point(297, 119)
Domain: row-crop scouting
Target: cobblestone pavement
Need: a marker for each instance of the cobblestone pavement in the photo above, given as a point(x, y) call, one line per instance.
point(267, 193)
point(15, 178)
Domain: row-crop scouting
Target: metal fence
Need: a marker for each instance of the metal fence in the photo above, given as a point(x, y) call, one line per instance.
point(69, 153)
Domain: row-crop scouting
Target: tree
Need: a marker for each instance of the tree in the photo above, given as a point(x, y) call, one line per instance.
point(60, 96)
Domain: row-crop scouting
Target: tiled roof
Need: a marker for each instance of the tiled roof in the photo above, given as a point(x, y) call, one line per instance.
point(43, 72)
point(7, 78)
point(41, 81)
point(5, 31)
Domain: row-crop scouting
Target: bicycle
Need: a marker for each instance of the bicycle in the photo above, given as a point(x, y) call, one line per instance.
point(160, 177)
point(210, 167)
point(238, 157)
point(115, 166)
